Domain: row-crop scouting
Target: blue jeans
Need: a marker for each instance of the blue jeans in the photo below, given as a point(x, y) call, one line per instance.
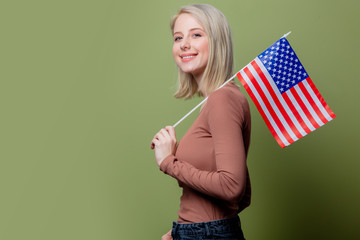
point(226, 229)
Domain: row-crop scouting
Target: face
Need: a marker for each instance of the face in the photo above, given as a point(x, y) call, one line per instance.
point(191, 45)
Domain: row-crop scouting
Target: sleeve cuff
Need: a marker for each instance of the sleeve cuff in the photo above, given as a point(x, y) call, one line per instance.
point(165, 163)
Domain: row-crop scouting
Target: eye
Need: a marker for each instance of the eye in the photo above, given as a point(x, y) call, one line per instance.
point(177, 39)
point(197, 35)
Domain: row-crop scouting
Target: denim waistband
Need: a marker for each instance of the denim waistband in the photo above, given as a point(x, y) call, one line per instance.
point(208, 228)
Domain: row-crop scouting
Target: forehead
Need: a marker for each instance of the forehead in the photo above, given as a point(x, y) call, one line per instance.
point(185, 22)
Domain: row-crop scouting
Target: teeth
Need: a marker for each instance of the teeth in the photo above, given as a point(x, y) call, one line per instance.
point(188, 57)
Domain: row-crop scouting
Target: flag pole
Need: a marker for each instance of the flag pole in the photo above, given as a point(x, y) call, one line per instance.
point(285, 35)
point(202, 102)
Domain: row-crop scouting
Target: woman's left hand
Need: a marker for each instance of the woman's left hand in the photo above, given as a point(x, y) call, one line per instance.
point(164, 143)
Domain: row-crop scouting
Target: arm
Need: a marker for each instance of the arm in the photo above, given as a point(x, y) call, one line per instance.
point(225, 121)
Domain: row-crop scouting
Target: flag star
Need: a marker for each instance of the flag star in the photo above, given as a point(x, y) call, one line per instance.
point(299, 72)
point(270, 63)
point(282, 55)
point(277, 49)
point(273, 75)
point(300, 67)
point(287, 85)
point(291, 58)
point(279, 71)
point(286, 62)
point(278, 43)
point(271, 52)
point(295, 65)
point(270, 57)
point(281, 89)
point(282, 84)
point(290, 63)
point(283, 78)
point(289, 74)
point(304, 74)
point(290, 69)
point(275, 64)
point(288, 46)
point(276, 59)
point(286, 56)
point(278, 76)
point(280, 66)
point(287, 51)
point(292, 53)
point(294, 76)
point(288, 79)
point(277, 82)
point(265, 61)
point(269, 68)
point(265, 56)
point(285, 67)
point(284, 73)
point(266, 52)
point(293, 81)
point(296, 60)
point(281, 60)
point(283, 45)
point(295, 70)
point(260, 56)
point(272, 47)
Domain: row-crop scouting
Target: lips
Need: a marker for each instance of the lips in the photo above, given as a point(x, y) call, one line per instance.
point(188, 56)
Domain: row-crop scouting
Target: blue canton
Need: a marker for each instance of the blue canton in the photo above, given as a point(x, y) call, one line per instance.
point(283, 65)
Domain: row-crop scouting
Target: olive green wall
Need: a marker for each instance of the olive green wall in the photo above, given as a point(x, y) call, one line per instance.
point(86, 84)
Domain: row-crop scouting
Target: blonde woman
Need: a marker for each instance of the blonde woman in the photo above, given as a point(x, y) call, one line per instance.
point(210, 160)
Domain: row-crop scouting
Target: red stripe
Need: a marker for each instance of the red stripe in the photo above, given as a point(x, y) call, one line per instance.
point(312, 103)
point(276, 100)
point(303, 107)
point(318, 95)
point(268, 106)
point(251, 94)
point(296, 113)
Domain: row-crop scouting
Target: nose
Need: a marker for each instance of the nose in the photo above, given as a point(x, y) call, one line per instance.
point(185, 44)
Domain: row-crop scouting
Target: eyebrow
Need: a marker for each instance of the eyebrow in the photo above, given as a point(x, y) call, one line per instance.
point(192, 29)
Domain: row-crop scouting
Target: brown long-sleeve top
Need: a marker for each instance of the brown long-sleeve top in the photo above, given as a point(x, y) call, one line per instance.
point(210, 160)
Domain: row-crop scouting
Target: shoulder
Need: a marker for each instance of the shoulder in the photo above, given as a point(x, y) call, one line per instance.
point(228, 96)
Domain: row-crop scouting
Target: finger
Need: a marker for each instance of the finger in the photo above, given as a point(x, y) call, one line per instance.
point(171, 131)
point(156, 143)
point(165, 133)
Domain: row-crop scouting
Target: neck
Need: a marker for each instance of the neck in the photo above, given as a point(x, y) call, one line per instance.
point(198, 79)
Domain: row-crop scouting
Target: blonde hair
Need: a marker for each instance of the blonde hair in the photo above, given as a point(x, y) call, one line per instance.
point(220, 63)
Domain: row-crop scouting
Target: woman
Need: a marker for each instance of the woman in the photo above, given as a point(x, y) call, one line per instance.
point(210, 161)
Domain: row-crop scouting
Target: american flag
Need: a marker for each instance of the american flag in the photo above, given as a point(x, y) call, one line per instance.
point(284, 94)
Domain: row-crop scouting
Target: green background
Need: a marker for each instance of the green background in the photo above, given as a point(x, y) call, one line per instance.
point(86, 84)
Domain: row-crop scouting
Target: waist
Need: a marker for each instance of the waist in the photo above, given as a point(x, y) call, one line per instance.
point(208, 228)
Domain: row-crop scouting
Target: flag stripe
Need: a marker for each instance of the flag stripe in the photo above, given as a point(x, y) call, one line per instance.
point(275, 99)
point(322, 101)
point(317, 101)
point(309, 107)
point(261, 111)
point(296, 112)
point(311, 102)
point(300, 111)
point(274, 116)
point(304, 108)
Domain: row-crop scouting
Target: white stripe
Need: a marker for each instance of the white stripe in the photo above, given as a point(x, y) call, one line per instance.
point(268, 115)
point(272, 103)
point(317, 101)
point(308, 105)
point(281, 99)
point(299, 110)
